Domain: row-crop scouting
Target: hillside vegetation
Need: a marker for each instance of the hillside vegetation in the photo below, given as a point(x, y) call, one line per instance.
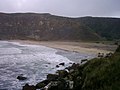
point(108, 28)
point(49, 27)
point(99, 74)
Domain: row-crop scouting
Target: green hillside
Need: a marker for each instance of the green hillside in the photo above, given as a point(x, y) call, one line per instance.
point(99, 74)
point(108, 28)
point(50, 27)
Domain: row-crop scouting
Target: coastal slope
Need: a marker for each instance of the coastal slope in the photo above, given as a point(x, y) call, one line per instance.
point(97, 74)
point(35, 26)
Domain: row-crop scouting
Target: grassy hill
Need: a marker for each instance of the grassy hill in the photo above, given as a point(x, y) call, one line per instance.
point(99, 74)
point(50, 27)
point(108, 28)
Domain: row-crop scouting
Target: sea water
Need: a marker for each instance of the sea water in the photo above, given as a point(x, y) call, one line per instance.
point(32, 61)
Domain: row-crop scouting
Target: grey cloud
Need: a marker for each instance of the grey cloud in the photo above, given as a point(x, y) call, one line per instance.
point(64, 7)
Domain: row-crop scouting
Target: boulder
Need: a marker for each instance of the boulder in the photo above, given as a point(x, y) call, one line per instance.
point(100, 55)
point(62, 73)
point(62, 64)
point(118, 49)
point(53, 85)
point(56, 85)
point(57, 66)
point(21, 77)
point(74, 66)
point(84, 60)
point(51, 77)
point(28, 87)
point(42, 84)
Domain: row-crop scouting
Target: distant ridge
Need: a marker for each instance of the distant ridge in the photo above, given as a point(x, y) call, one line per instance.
point(50, 27)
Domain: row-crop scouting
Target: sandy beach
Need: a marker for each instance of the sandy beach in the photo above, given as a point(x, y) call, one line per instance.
point(80, 47)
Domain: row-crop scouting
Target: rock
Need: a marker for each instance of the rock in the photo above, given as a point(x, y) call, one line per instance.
point(62, 73)
point(53, 85)
point(62, 64)
point(74, 66)
point(46, 65)
point(52, 77)
point(21, 77)
point(118, 49)
point(70, 84)
point(28, 87)
point(57, 85)
point(100, 55)
point(108, 55)
point(71, 71)
point(42, 84)
point(57, 66)
point(62, 85)
point(49, 63)
point(70, 63)
point(116, 43)
point(84, 60)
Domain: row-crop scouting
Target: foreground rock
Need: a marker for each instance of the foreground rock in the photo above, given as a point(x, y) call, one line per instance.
point(62, 64)
point(28, 87)
point(21, 77)
point(62, 80)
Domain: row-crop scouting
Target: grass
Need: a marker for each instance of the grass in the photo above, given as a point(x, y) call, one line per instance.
point(99, 74)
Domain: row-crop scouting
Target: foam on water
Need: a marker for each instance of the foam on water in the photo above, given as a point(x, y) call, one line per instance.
point(33, 61)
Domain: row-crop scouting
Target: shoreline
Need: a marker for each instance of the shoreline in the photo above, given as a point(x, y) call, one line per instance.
point(78, 47)
point(68, 47)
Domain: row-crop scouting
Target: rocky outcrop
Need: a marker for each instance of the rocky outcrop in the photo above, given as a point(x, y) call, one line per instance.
point(61, 80)
point(21, 77)
point(28, 87)
point(118, 49)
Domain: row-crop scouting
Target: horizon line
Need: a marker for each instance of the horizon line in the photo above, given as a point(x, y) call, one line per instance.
point(59, 15)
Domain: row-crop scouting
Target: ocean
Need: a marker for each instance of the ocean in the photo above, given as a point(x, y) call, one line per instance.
point(32, 61)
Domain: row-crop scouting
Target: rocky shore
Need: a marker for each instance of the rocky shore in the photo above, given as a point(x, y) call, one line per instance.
point(62, 80)
point(96, 74)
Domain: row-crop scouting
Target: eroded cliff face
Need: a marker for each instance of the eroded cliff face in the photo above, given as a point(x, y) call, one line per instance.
point(44, 27)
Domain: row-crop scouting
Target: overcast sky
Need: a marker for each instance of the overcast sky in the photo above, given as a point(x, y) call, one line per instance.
point(71, 8)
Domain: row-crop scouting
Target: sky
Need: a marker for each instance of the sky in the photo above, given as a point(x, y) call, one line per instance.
point(69, 8)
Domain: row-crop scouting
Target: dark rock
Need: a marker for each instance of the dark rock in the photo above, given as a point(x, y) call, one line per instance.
point(46, 65)
point(28, 87)
point(51, 77)
point(118, 49)
point(57, 66)
point(70, 63)
point(21, 77)
point(42, 84)
point(62, 85)
point(70, 84)
point(63, 64)
point(116, 43)
point(100, 55)
point(84, 60)
point(74, 66)
point(53, 85)
point(62, 73)
point(57, 85)
point(108, 55)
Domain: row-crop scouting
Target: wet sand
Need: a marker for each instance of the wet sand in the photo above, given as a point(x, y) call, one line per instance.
point(80, 47)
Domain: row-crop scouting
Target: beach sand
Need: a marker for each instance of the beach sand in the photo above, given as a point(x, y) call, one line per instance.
point(80, 47)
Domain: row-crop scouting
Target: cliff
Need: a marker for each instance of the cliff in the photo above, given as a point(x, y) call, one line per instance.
point(50, 27)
